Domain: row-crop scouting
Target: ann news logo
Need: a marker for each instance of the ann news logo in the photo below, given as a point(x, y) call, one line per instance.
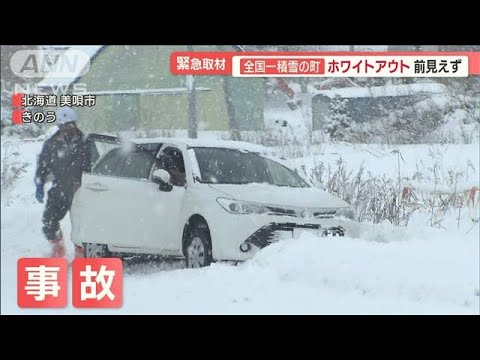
point(51, 62)
point(43, 283)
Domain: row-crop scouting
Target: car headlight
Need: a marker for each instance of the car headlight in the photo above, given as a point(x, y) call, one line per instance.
point(347, 212)
point(242, 207)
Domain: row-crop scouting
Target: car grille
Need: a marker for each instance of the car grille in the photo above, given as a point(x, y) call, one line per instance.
point(282, 211)
point(278, 235)
point(275, 232)
point(324, 214)
point(319, 214)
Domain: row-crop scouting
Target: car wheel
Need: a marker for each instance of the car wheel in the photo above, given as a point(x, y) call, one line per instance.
point(96, 250)
point(198, 250)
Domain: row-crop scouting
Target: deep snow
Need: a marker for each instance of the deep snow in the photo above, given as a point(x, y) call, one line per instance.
point(418, 269)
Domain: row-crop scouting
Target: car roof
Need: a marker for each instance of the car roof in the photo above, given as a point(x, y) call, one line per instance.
point(224, 144)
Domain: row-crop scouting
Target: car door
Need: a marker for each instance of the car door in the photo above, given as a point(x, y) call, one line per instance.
point(165, 227)
point(150, 216)
point(119, 205)
point(138, 204)
point(91, 211)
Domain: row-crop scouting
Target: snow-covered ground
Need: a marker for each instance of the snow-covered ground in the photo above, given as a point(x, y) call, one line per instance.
point(417, 269)
point(382, 159)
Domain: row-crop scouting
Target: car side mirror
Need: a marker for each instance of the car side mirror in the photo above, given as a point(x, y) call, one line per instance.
point(162, 178)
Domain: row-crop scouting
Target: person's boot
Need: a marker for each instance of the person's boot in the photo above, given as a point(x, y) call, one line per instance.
point(58, 246)
point(79, 252)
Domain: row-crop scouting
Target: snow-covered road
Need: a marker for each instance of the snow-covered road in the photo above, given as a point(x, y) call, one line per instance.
point(418, 269)
point(430, 272)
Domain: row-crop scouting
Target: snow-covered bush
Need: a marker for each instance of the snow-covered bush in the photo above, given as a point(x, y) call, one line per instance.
point(14, 167)
point(378, 198)
point(374, 198)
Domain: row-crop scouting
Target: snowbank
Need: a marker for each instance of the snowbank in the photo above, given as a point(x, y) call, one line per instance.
point(413, 270)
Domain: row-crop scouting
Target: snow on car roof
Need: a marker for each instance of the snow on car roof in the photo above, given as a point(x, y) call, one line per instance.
point(227, 144)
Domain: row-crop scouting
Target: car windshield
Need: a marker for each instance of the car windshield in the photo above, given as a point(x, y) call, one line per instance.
point(230, 166)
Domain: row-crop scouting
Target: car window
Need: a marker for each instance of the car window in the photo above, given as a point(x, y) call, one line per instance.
point(100, 145)
point(109, 163)
point(228, 166)
point(283, 176)
point(136, 165)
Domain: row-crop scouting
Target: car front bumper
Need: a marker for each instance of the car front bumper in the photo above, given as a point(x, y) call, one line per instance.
point(242, 236)
point(274, 232)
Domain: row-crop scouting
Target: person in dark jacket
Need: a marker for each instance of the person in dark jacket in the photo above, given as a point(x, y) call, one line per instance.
point(173, 164)
point(64, 157)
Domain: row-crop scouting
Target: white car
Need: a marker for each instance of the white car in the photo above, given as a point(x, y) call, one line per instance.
point(202, 201)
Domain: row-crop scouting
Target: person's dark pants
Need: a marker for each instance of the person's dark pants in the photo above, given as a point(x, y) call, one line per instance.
point(58, 203)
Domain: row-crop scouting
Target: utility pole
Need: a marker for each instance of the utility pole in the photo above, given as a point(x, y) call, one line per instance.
point(234, 126)
point(192, 105)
